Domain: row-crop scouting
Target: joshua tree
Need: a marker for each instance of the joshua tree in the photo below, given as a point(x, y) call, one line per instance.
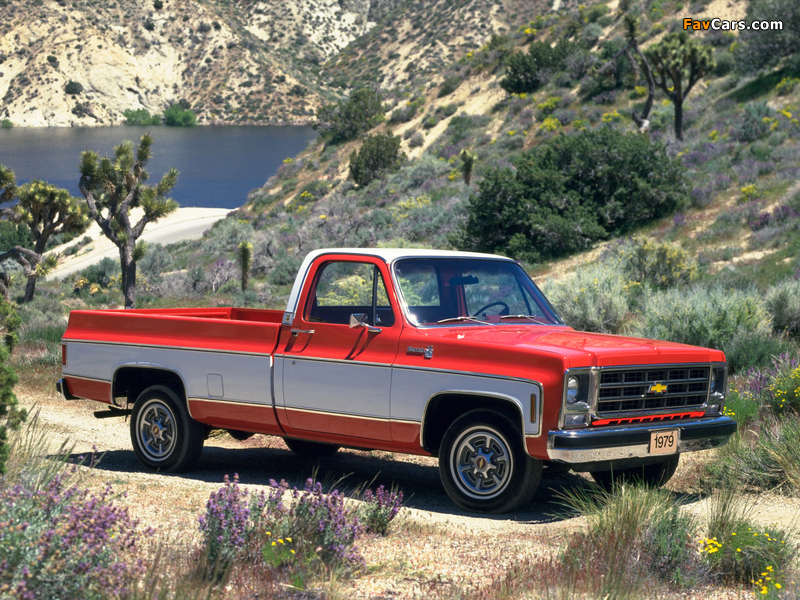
point(631, 27)
point(112, 188)
point(46, 210)
point(681, 60)
point(245, 256)
point(468, 162)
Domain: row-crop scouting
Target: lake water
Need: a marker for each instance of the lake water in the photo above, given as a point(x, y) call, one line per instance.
point(218, 165)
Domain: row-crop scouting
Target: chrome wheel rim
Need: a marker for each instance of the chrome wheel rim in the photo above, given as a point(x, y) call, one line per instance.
point(481, 462)
point(157, 430)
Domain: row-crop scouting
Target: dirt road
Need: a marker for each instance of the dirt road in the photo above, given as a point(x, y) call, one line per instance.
point(446, 546)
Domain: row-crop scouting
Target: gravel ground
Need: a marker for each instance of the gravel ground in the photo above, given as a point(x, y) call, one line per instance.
point(440, 551)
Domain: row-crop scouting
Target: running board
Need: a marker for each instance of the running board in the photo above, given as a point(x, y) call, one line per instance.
point(112, 412)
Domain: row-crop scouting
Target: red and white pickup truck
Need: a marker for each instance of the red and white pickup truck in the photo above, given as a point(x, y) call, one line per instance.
point(449, 354)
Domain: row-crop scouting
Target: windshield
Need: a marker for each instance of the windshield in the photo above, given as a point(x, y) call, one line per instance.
point(449, 290)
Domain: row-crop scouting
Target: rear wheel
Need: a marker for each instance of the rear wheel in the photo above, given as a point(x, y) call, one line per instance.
point(483, 464)
point(654, 475)
point(309, 449)
point(164, 436)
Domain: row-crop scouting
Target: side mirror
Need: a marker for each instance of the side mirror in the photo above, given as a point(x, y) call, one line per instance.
point(362, 320)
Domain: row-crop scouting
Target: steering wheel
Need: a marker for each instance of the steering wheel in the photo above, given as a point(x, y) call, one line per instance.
point(506, 310)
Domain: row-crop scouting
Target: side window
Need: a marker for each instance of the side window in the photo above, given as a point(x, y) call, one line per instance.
point(346, 288)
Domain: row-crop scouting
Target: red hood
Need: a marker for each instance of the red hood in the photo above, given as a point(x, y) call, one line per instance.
point(577, 348)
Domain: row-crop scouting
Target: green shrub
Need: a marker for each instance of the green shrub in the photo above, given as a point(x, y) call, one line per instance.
point(658, 264)
point(158, 4)
point(635, 533)
point(594, 298)
point(378, 154)
point(741, 407)
point(149, 25)
point(177, 115)
point(53, 61)
point(571, 192)
point(739, 550)
point(524, 72)
point(449, 86)
point(783, 303)
point(6, 124)
point(11, 415)
point(350, 117)
point(754, 124)
point(760, 48)
point(140, 116)
point(713, 317)
point(15, 234)
point(73, 88)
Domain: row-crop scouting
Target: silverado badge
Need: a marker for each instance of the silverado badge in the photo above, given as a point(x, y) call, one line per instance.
point(426, 352)
point(657, 388)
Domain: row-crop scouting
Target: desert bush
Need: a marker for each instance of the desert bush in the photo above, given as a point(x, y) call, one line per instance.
point(783, 303)
point(736, 549)
point(449, 86)
point(571, 192)
point(66, 542)
point(416, 140)
point(350, 117)
point(284, 269)
point(379, 509)
point(594, 298)
point(157, 260)
point(753, 124)
point(635, 533)
point(11, 415)
point(378, 154)
point(225, 236)
point(526, 73)
point(73, 88)
point(405, 113)
point(713, 317)
point(140, 117)
point(177, 115)
point(102, 273)
point(657, 264)
point(759, 49)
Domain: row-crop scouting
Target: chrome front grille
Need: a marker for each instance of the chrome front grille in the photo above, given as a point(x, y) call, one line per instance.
point(652, 389)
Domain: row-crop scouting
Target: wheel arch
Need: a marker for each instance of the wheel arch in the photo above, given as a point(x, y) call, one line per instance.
point(443, 408)
point(129, 381)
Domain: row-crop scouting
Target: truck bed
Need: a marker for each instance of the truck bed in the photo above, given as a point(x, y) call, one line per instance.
point(245, 330)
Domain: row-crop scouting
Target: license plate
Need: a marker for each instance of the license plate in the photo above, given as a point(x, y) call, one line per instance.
point(664, 442)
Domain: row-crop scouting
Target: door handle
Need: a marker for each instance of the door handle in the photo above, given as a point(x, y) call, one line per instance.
point(296, 332)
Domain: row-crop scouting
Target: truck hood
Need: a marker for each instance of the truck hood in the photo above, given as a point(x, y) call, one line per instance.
point(577, 348)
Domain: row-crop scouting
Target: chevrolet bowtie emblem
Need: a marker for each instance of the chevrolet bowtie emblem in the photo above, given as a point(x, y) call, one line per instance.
point(657, 388)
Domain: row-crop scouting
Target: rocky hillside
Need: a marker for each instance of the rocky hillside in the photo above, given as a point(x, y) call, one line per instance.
point(85, 62)
point(233, 62)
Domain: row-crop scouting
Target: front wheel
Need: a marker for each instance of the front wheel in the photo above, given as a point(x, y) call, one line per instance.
point(654, 475)
point(483, 464)
point(164, 436)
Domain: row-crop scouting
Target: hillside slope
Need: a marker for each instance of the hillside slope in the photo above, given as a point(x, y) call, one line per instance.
point(233, 62)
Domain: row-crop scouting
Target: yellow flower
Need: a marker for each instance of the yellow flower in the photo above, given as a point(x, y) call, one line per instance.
point(288, 539)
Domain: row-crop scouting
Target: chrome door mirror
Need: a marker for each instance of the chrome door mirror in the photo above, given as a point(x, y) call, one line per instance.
point(362, 320)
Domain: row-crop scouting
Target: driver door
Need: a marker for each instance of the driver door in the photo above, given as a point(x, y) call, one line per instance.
point(337, 378)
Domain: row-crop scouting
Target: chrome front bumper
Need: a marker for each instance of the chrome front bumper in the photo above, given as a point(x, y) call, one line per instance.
point(591, 446)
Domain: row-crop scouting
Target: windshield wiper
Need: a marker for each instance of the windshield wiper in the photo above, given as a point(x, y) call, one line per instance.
point(450, 319)
point(529, 317)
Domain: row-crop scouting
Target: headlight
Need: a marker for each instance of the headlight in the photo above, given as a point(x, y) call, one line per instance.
point(577, 398)
point(717, 389)
point(573, 391)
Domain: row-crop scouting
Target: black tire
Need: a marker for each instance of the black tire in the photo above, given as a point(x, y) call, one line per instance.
point(484, 466)
point(164, 436)
point(653, 475)
point(309, 449)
